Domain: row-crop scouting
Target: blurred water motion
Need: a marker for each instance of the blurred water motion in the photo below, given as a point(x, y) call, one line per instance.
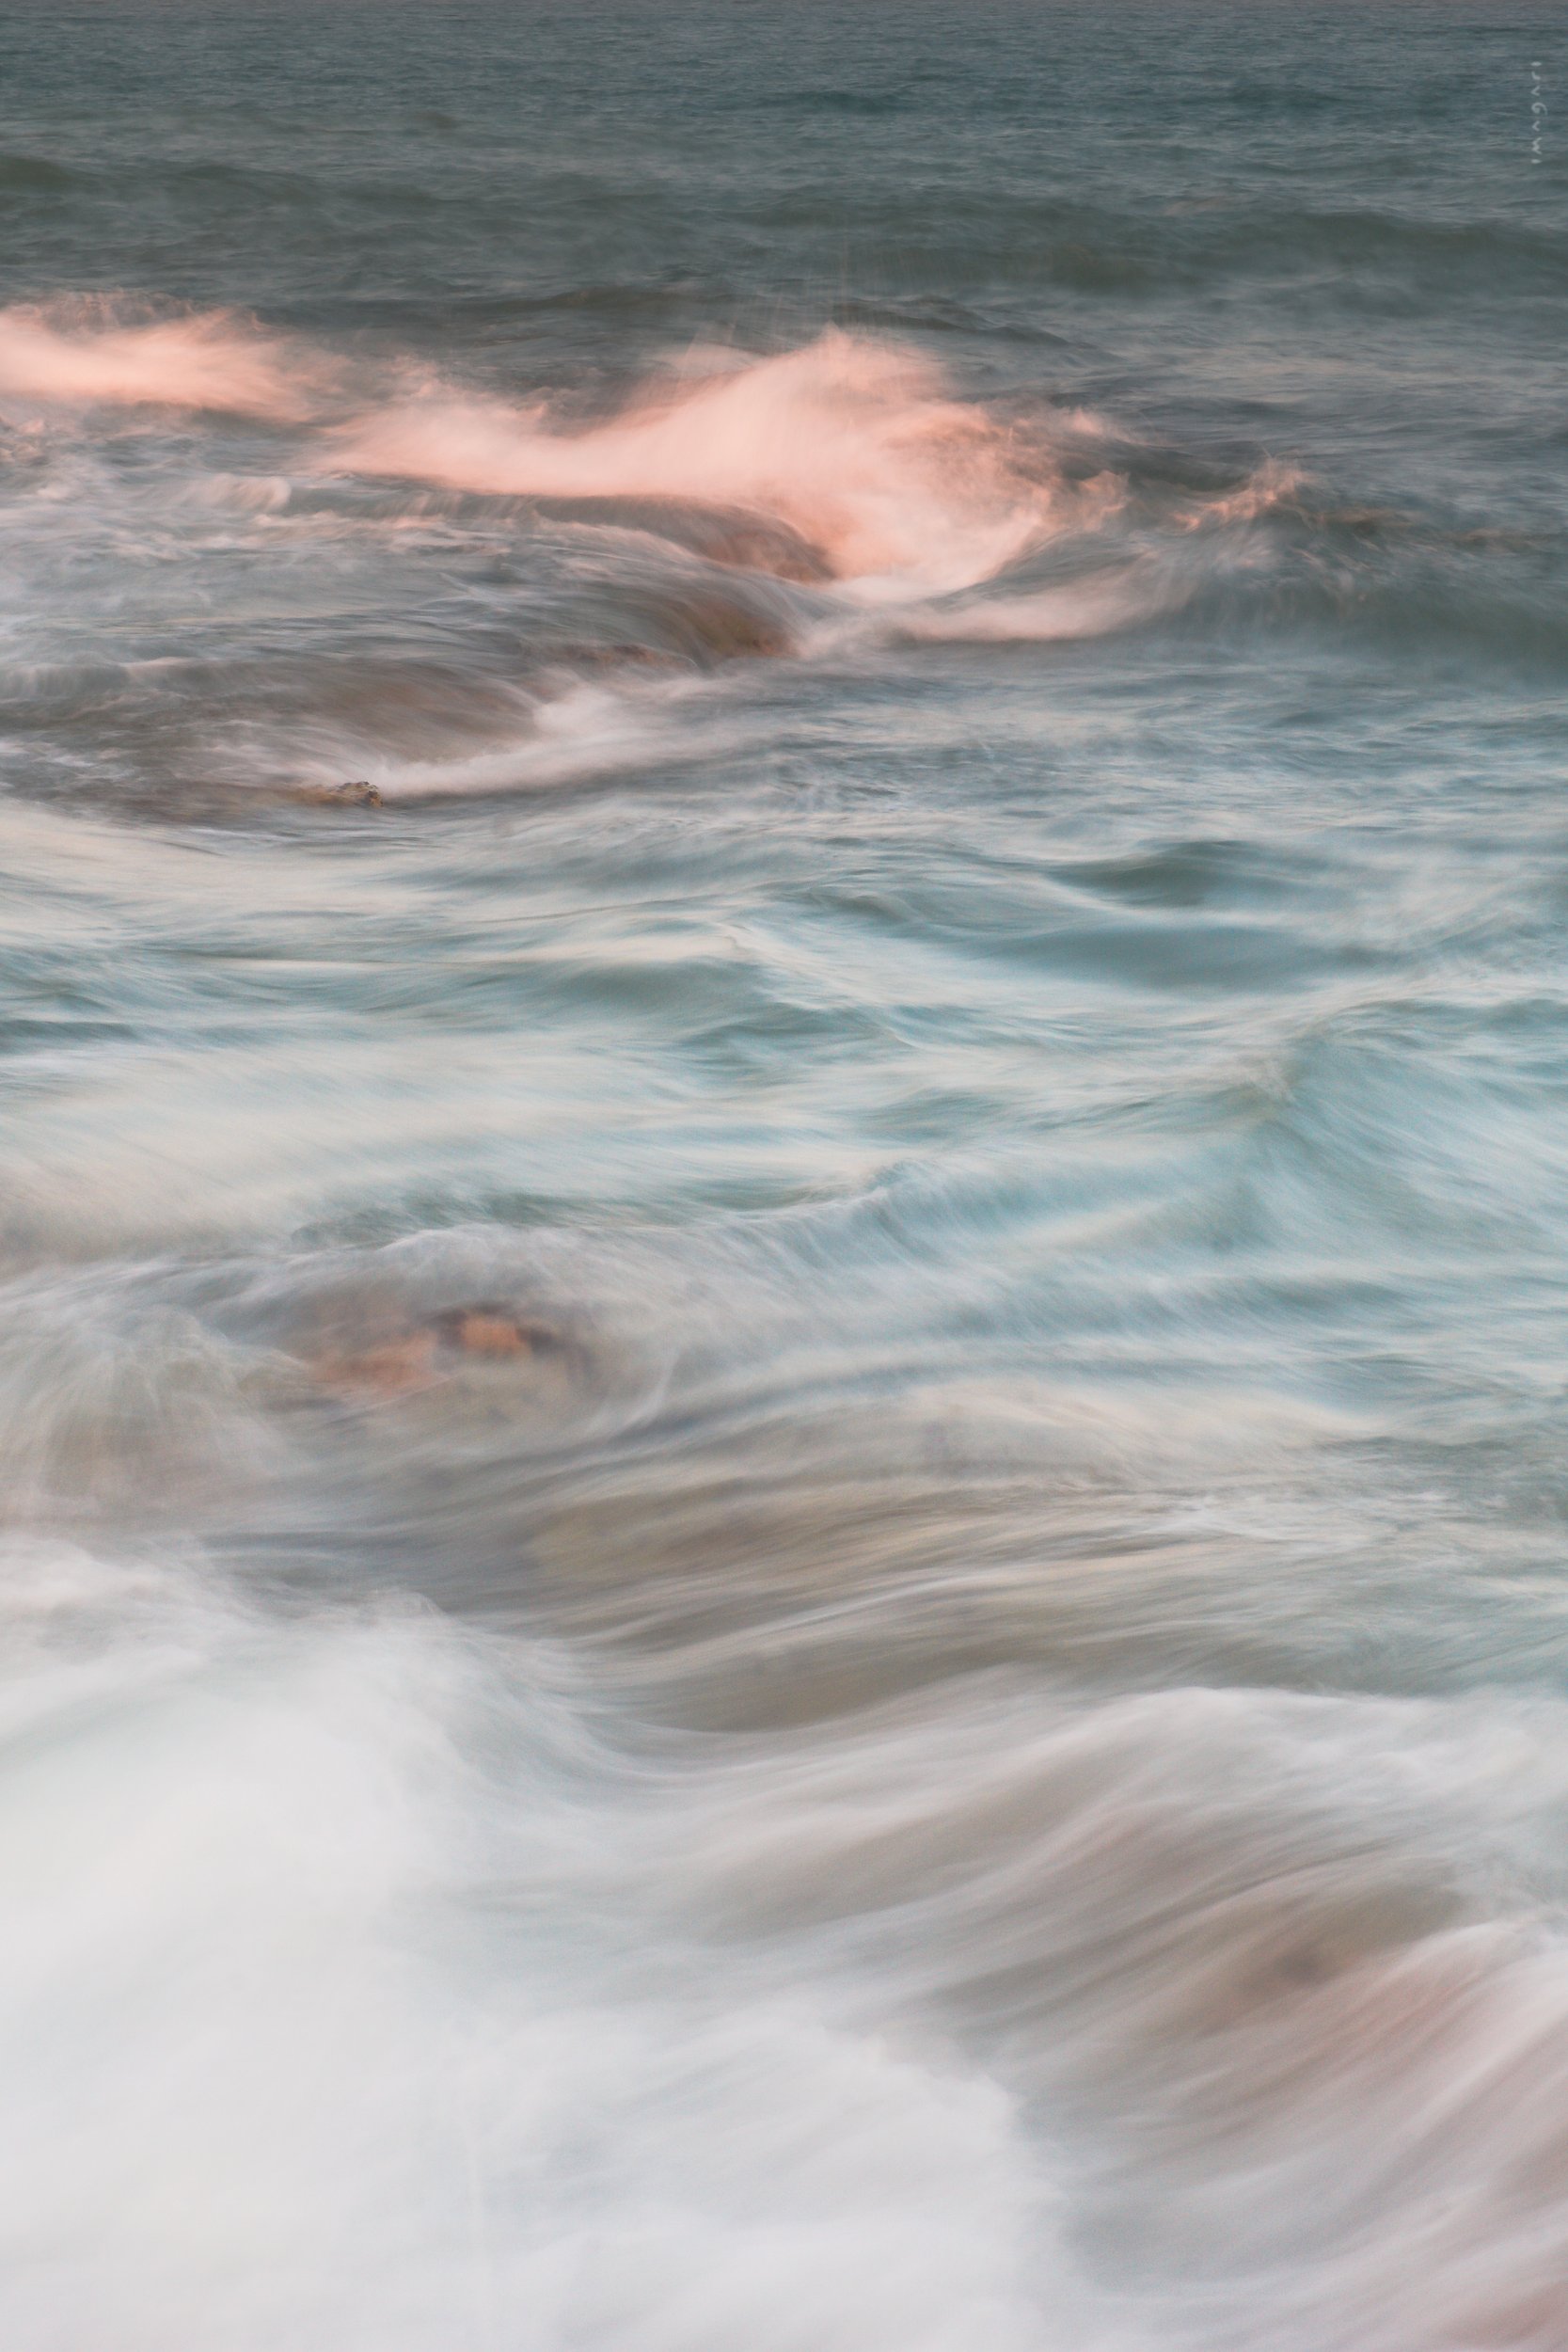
point(784, 1183)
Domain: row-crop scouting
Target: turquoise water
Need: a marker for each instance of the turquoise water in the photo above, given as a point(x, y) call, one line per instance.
point(782, 1464)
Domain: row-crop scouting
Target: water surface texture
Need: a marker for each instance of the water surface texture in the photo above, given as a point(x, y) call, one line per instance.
point(782, 1440)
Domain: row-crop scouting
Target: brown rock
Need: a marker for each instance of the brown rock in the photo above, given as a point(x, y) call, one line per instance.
point(484, 1334)
point(360, 795)
point(398, 1367)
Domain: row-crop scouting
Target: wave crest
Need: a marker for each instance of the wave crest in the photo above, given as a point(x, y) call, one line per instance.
point(83, 354)
point(856, 445)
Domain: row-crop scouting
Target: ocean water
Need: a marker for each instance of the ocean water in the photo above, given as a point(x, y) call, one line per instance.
point(782, 1466)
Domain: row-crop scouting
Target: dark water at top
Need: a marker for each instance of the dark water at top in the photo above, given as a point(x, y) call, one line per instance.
point(782, 1443)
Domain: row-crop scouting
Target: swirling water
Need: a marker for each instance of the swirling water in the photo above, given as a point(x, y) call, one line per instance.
point(783, 1448)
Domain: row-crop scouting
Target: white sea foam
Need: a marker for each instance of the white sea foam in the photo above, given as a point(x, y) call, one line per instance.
point(1095, 606)
point(585, 732)
point(363, 1987)
point(332, 2014)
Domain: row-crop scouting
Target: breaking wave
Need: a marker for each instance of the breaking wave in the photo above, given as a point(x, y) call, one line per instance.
point(857, 446)
point(84, 353)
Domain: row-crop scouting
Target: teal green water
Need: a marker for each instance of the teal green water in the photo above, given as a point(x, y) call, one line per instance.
point(781, 1444)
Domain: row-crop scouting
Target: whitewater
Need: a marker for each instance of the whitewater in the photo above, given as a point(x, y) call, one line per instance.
point(783, 1200)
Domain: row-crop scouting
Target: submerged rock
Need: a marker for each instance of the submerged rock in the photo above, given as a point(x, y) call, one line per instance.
point(403, 1362)
point(488, 1331)
point(359, 795)
point(396, 1367)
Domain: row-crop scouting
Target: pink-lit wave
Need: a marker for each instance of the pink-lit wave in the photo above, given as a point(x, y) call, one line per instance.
point(79, 357)
point(855, 450)
point(856, 445)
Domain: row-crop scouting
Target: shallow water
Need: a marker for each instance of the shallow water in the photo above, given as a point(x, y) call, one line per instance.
point(782, 1448)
